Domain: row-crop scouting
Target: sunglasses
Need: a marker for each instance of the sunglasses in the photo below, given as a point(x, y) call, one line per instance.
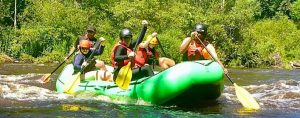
point(84, 49)
point(127, 38)
point(90, 32)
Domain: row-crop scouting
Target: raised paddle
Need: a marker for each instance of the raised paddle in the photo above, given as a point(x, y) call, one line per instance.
point(242, 94)
point(74, 81)
point(125, 74)
point(46, 77)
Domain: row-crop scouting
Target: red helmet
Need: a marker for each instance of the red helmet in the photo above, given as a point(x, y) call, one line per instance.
point(85, 44)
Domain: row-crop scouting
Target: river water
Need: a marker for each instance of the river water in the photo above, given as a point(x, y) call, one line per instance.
point(22, 95)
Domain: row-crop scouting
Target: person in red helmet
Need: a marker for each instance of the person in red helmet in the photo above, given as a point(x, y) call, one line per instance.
point(80, 59)
point(192, 49)
point(147, 54)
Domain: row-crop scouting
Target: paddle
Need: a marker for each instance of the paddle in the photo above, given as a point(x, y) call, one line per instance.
point(242, 94)
point(125, 74)
point(75, 79)
point(161, 46)
point(46, 77)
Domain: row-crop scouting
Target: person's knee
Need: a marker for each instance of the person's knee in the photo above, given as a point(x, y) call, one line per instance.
point(100, 64)
point(105, 76)
point(171, 62)
point(166, 63)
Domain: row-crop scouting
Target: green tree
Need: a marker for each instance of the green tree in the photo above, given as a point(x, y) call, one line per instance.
point(296, 10)
point(269, 38)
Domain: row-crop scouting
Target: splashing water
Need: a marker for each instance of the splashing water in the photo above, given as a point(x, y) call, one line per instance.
point(278, 94)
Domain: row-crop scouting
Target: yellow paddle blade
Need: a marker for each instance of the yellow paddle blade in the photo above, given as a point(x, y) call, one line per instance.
point(45, 78)
point(124, 77)
point(72, 83)
point(245, 98)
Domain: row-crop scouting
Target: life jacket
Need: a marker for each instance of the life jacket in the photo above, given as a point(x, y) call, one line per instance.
point(143, 55)
point(119, 64)
point(199, 54)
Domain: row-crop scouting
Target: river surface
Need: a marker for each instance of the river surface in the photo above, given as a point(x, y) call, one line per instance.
point(22, 95)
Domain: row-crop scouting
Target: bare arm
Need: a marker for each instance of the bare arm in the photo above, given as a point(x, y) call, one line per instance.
point(185, 44)
point(146, 43)
point(213, 52)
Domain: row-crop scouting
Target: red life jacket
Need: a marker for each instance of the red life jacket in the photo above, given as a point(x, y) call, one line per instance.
point(119, 64)
point(193, 54)
point(143, 55)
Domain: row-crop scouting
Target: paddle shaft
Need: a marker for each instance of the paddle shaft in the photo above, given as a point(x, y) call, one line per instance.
point(63, 62)
point(134, 49)
point(162, 49)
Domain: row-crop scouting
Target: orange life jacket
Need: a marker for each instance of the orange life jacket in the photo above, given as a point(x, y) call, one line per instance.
point(196, 52)
point(119, 64)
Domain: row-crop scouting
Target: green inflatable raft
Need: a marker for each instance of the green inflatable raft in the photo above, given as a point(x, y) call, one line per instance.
point(185, 83)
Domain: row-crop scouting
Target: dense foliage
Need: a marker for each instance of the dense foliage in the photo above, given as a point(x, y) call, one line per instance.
point(250, 33)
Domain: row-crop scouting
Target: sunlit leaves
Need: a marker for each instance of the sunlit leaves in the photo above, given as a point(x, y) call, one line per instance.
point(296, 10)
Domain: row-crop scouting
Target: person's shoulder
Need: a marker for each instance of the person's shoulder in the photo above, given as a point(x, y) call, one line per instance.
point(140, 48)
point(210, 46)
point(120, 47)
point(79, 55)
point(93, 39)
point(206, 42)
point(187, 38)
point(82, 37)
